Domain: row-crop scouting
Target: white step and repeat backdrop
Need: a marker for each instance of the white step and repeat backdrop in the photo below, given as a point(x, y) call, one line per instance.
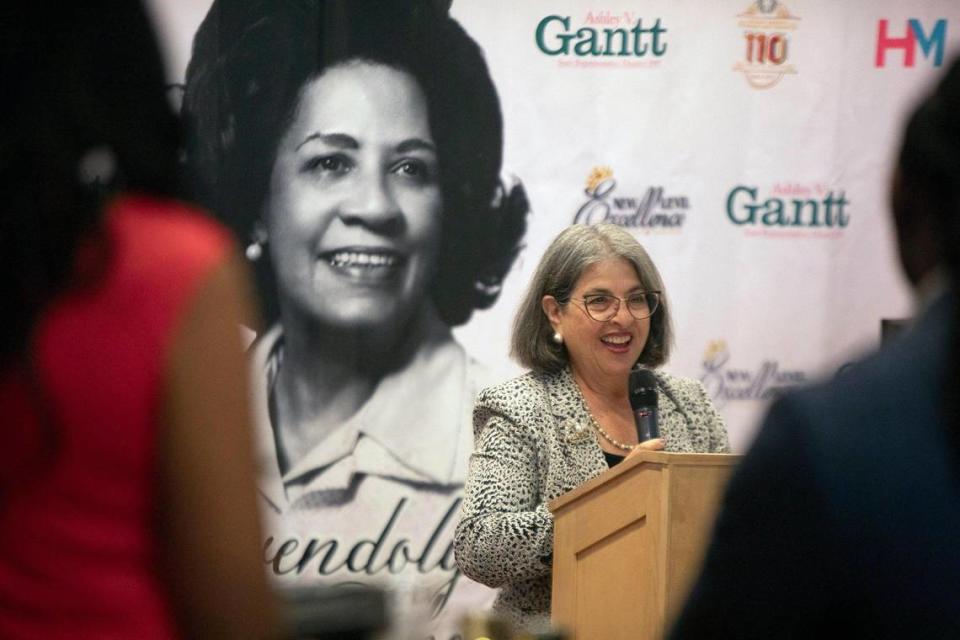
point(747, 145)
point(751, 157)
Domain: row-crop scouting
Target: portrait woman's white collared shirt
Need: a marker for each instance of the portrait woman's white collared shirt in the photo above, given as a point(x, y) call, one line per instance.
point(377, 500)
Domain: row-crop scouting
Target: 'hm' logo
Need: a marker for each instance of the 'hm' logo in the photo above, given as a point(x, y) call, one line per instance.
point(908, 43)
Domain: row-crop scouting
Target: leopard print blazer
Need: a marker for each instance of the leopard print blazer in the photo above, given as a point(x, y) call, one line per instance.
point(533, 442)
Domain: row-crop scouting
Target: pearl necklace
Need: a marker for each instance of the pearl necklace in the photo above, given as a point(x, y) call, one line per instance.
point(609, 438)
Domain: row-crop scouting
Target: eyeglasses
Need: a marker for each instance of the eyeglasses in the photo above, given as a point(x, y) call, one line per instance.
point(603, 307)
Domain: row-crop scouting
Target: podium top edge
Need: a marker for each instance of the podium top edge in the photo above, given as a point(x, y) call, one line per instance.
point(657, 458)
point(670, 457)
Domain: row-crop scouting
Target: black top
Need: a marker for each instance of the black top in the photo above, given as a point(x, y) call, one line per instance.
point(612, 459)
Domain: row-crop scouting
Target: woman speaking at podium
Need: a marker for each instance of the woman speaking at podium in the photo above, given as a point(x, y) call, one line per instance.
point(596, 308)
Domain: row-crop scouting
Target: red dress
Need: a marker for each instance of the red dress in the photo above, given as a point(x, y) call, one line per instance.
point(78, 543)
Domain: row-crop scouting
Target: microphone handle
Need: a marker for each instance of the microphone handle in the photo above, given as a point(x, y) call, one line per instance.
point(646, 421)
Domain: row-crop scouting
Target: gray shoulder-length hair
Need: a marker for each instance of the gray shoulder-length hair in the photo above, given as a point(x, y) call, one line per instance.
point(564, 261)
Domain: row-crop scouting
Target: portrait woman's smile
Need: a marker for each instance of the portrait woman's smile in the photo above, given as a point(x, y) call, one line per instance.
point(353, 213)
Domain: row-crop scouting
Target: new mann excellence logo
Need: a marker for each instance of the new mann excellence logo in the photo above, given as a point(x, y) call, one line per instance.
point(725, 381)
point(604, 38)
point(767, 26)
point(789, 210)
point(655, 211)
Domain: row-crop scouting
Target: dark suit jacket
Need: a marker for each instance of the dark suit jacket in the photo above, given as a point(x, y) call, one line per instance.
point(844, 517)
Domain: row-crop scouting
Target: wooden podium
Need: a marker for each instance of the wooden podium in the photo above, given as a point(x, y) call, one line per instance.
point(628, 543)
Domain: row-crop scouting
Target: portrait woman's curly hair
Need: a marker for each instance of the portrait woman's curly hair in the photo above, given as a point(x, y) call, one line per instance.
point(250, 63)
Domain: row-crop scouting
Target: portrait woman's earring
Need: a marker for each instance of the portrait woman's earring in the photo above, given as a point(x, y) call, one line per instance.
point(97, 169)
point(557, 338)
point(258, 238)
point(488, 286)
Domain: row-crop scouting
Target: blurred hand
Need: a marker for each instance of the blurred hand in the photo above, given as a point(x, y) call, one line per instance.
point(654, 444)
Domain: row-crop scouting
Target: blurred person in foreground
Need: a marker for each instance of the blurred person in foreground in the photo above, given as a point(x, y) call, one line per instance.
point(843, 518)
point(127, 495)
point(596, 308)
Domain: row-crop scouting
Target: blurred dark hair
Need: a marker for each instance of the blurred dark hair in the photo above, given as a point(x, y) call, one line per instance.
point(85, 114)
point(930, 160)
point(929, 164)
point(252, 58)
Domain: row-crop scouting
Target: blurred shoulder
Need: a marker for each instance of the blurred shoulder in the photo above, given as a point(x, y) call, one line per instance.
point(906, 373)
point(167, 230)
point(889, 401)
point(162, 253)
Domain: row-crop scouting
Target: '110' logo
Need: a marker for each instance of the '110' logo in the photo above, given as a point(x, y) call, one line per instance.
point(762, 47)
point(908, 43)
point(766, 25)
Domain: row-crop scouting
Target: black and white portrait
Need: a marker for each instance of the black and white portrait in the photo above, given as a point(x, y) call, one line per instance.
point(355, 148)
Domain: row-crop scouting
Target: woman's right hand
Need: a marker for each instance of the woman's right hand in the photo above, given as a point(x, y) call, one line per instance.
point(653, 444)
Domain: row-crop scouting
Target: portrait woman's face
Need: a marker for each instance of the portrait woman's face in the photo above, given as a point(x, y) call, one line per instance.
point(353, 213)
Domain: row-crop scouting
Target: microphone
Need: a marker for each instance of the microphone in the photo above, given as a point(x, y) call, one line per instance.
point(643, 401)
